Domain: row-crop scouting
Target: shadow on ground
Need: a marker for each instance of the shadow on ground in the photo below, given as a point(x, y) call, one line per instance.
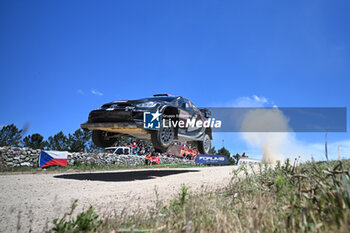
point(123, 176)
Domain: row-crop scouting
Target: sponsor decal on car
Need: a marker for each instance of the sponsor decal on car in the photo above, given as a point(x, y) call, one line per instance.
point(210, 122)
point(151, 120)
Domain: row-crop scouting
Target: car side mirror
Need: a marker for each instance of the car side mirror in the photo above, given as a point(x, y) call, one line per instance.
point(206, 113)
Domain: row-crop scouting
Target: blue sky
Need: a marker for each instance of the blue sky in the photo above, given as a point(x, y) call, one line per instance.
point(60, 59)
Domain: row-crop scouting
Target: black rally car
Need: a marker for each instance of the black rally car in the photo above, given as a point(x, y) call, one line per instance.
point(162, 119)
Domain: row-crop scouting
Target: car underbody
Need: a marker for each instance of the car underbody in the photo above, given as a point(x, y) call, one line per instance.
point(131, 129)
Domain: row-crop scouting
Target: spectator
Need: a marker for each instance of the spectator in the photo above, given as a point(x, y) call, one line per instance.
point(133, 144)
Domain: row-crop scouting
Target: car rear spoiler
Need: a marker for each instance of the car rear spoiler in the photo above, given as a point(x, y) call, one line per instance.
point(158, 95)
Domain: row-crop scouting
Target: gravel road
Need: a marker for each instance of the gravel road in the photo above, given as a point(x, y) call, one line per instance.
point(30, 201)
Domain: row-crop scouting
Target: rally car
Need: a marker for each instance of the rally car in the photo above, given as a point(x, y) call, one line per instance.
point(162, 119)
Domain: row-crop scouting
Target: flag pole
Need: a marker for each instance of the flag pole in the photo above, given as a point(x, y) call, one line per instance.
point(325, 146)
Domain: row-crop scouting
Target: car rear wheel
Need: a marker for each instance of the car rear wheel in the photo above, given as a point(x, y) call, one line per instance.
point(204, 146)
point(162, 138)
point(101, 139)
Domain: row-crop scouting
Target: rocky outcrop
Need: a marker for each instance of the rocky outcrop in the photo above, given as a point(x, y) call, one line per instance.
point(20, 156)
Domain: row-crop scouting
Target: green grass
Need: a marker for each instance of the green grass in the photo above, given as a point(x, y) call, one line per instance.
point(311, 197)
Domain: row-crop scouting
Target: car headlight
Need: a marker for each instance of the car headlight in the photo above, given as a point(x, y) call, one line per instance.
point(146, 105)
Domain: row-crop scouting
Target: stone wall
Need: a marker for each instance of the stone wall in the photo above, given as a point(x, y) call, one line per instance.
point(19, 156)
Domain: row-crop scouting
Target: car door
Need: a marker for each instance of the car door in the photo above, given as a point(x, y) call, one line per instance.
point(189, 112)
point(195, 116)
point(184, 115)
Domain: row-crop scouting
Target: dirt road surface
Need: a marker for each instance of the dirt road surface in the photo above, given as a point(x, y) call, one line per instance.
point(31, 201)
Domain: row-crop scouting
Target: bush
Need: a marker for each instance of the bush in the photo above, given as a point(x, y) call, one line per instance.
point(311, 197)
point(87, 221)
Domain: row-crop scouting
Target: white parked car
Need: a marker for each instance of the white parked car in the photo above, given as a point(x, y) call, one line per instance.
point(119, 150)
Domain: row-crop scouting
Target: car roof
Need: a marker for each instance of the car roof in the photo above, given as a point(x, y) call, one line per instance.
point(158, 98)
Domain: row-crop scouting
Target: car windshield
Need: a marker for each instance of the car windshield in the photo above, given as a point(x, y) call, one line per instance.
point(194, 106)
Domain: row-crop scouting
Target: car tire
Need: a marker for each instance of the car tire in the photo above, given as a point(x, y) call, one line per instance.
point(162, 138)
point(100, 140)
point(204, 146)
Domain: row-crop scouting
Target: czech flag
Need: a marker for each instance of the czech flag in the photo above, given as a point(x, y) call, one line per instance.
point(49, 158)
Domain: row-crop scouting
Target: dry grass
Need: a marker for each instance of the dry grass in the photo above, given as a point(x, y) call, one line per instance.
point(311, 197)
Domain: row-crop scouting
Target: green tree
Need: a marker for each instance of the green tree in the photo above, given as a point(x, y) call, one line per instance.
point(91, 147)
point(34, 141)
point(212, 150)
point(10, 135)
point(58, 142)
point(224, 151)
point(236, 158)
point(79, 140)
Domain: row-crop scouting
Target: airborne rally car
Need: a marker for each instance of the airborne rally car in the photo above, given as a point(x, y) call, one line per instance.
point(162, 119)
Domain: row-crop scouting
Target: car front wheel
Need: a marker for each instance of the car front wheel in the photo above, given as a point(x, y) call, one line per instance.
point(204, 146)
point(162, 138)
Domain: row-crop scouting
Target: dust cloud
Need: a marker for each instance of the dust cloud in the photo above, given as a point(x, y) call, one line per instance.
point(269, 130)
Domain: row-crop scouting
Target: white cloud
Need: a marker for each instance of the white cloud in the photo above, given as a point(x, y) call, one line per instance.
point(81, 92)
point(95, 92)
point(251, 101)
point(261, 99)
